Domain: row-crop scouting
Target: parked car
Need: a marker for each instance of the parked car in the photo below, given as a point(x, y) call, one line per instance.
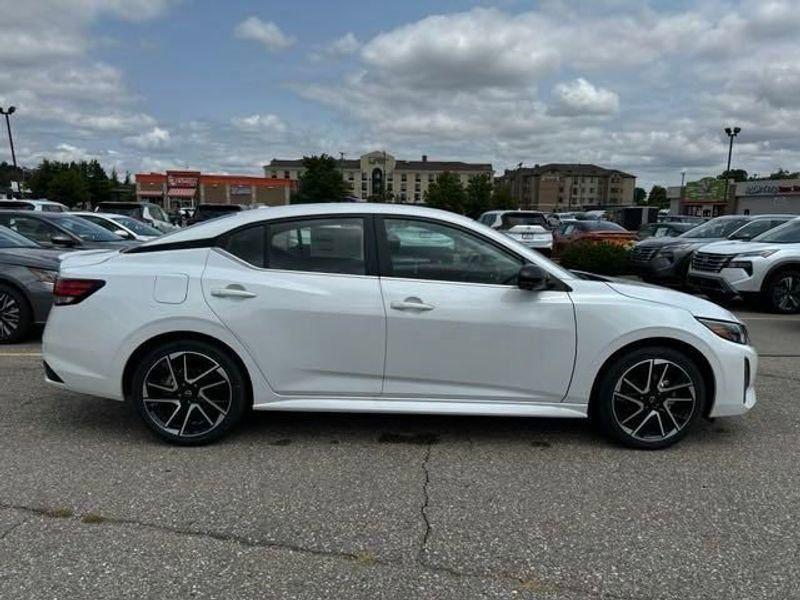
point(666, 260)
point(325, 308)
point(767, 268)
point(204, 212)
point(591, 231)
point(666, 229)
point(38, 205)
point(530, 228)
point(127, 228)
point(667, 218)
point(150, 213)
point(63, 230)
point(27, 274)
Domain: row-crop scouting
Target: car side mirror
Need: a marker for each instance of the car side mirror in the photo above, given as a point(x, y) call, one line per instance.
point(122, 233)
point(61, 239)
point(533, 278)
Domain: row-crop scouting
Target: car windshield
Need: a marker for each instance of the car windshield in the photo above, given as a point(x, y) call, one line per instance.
point(11, 239)
point(788, 233)
point(136, 226)
point(599, 226)
point(522, 218)
point(755, 228)
point(86, 231)
point(716, 228)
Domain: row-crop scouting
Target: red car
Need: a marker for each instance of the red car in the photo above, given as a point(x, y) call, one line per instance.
point(592, 232)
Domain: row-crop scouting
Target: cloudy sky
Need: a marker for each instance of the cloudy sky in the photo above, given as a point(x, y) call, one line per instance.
point(224, 87)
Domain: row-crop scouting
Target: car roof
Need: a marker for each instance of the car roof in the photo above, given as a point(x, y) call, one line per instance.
point(37, 214)
point(216, 227)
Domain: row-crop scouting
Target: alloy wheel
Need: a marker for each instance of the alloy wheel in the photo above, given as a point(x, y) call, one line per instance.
point(187, 394)
point(9, 315)
point(786, 293)
point(654, 400)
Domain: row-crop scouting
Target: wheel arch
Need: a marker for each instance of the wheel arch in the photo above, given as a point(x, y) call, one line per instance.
point(693, 353)
point(180, 336)
point(20, 289)
point(774, 270)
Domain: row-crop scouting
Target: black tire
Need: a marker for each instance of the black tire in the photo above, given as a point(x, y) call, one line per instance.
point(665, 415)
point(167, 371)
point(16, 318)
point(782, 292)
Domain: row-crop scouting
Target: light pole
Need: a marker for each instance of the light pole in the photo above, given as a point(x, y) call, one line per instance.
point(732, 133)
point(8, 112)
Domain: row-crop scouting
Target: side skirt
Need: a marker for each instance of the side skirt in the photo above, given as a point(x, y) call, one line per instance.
point(429, 407)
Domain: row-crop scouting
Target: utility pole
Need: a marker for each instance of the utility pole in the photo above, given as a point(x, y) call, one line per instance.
point(732, 133)
point(8, 112)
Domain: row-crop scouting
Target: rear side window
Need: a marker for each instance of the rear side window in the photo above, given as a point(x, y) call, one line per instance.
point(248, 244)
point(333, 245)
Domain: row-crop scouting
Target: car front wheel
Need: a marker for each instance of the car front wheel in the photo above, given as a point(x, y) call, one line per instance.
point(783, 292)
point(189, 393)
point(15, 315)
point(650, 398)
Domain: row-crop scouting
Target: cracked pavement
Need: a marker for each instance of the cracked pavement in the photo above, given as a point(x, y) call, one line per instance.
point(385, 506)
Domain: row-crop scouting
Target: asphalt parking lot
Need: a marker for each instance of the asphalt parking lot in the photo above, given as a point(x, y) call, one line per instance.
point(358, 506)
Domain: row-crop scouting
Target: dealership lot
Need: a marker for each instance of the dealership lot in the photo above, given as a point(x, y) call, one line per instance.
point(325, 505)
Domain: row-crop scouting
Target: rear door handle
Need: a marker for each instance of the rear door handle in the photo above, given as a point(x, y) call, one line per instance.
point(232, 292)
point(411, 304)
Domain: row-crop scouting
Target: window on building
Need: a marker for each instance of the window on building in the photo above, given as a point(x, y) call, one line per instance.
point(416, 197)
point(286, 175)
point(274, 174)
point(431, 177)
point(402, 177)
point(363, 176)
point(417, 177)
point(333, 245)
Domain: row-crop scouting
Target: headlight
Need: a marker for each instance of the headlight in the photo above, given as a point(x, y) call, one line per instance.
point(44, 275)
point(761, 253)
point(729, 330)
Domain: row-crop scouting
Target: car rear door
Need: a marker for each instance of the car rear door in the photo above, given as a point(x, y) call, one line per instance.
point(303, 296)
point(458, 327)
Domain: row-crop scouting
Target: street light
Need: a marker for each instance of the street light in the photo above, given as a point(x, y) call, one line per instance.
point(8, 112)
point(732, 133)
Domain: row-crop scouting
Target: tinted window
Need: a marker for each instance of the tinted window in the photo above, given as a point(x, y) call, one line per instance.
point(333, 245)
point(755, 228)
point(33, 229)
point(86, 230)
point(136, 226)
point(423, 250)
point(247, 244)
point(16, 205)
point(788, 233)
point(521, 218)
point(53, 208)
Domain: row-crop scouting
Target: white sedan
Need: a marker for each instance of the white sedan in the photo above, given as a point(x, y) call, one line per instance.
point(384, 308)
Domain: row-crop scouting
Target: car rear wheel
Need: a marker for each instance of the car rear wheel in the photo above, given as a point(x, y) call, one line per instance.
point(650, 398)
point(783, 292)
point(189, 393)
point(15, 315)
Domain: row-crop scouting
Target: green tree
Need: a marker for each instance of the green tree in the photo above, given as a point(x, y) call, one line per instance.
point(502, 199)
point(97, 182)
point(68, 187)
point(447, 193)
point(321, 181)
point(734, 174)
point(784, 174)
point(478, 195)
point(639, 196)
point(658, 197)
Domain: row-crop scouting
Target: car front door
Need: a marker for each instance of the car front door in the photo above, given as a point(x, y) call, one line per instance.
point(458, 327)
point(304, 298)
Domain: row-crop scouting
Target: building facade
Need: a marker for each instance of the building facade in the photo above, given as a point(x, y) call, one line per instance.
point(380, 176)
point(768, 196)
point(564, 187)
point(175, 189)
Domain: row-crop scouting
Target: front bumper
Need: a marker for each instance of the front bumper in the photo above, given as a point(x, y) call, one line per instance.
point(662, 268)
point(735, 381)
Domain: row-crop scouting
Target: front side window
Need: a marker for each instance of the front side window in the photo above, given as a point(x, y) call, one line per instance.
point(788, 233)
point(334, 245)
point(424, 250)
point(86, 230)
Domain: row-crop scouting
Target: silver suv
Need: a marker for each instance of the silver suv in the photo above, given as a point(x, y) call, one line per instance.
point(766, 268)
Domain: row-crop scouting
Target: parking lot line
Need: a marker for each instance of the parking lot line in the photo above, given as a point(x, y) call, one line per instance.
point(20, 353)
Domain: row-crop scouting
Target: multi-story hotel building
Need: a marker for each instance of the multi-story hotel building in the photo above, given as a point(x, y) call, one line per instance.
point(563, 187)
point(380, 176)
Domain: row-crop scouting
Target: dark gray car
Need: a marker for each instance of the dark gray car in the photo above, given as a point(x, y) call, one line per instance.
point(27, 274)
point(61, 230)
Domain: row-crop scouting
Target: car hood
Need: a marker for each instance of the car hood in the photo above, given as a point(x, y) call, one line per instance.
point(727, 247)
point(674, 241)
point(653, 293)
point(40, 258)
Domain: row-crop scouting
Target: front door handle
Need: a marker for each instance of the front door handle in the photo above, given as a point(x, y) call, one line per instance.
point(411, 304)
point(232, 292)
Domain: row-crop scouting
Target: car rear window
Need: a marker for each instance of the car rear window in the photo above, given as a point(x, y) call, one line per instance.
point(510, 220)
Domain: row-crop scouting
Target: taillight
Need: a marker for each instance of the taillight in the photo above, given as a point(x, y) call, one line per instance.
point(72, 291)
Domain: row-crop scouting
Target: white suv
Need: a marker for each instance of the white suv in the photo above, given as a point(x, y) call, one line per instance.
point(767, 268)
point(530, 228)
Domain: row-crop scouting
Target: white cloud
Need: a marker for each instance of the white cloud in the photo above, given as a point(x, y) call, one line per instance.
point(260, 123)
point(266, 33)
point(338, 48)
point(154, 139)
point(581, 98)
